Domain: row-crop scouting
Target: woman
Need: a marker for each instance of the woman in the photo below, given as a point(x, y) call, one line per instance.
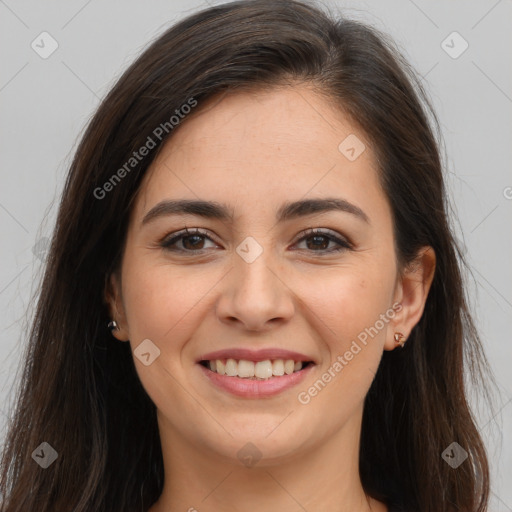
point(257, 210)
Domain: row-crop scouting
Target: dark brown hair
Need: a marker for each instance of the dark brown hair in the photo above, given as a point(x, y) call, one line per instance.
point(79, 390)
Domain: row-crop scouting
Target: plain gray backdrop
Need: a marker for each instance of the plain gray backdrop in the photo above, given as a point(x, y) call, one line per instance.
point(462, 49)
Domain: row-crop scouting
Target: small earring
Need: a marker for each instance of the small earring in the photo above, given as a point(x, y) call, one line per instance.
point(400, 339)
point(113, 325)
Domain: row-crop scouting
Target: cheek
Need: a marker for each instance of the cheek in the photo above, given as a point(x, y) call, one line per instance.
point(348, 301)
point(347, 309)
point(165, 304)
point(351, 311)
point(162, 302)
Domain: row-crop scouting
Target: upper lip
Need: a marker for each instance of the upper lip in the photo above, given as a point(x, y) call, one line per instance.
point(255, 355)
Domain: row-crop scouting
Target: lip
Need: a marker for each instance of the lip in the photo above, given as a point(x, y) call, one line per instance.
point(249, 388)
point(255, 355)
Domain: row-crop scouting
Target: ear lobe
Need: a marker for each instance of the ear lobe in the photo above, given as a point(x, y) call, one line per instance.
point(411, 292)
point(113, 299)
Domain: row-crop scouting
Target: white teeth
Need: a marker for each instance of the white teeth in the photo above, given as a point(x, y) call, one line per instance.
point(255, 370)
point(263, 369)
point(278, 367)
point(245, 368)
point(288, 366)
point(221, 367)
point(231, 368)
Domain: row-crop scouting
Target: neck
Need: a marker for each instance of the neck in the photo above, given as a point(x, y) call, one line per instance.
point(325, 477)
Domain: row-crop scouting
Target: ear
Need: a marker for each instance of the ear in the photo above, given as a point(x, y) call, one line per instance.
point(113, 298)
point(411, 292)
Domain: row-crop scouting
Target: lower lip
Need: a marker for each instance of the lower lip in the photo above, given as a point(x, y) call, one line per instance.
point(249, 388)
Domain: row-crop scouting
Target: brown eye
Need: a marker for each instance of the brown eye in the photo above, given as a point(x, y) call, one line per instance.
point(191, 241)
point(318, 241)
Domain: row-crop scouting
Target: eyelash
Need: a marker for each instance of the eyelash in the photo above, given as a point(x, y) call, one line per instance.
point(167, 242)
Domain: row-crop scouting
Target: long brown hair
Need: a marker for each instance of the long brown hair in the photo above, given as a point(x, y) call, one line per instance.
point(79, 390)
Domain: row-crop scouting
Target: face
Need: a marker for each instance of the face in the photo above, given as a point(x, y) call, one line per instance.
point(260, 288)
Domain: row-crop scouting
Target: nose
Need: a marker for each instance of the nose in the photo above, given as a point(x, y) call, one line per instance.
point(255, 295)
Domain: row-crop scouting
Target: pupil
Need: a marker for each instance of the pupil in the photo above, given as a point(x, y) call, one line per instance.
point(194, 245)
point(319, 237)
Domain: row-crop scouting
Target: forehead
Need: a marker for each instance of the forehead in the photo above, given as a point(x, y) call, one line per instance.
point(266, 121)
point(264, 145)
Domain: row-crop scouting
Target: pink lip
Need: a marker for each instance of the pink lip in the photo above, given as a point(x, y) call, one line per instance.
point(255, 355)
point(248, 388)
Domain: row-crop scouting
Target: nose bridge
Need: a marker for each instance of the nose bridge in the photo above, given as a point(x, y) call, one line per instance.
point(254, 279)
point(256, 292)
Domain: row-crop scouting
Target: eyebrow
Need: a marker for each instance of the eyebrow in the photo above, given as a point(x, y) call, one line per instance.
point(288, 211)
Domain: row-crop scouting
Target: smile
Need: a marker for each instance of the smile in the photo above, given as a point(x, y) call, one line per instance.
point(254, 370)
point(254, 379)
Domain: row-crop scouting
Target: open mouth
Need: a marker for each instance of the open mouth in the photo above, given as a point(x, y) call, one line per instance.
point(255, 370)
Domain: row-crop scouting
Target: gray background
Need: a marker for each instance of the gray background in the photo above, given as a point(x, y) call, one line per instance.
point(45, 104)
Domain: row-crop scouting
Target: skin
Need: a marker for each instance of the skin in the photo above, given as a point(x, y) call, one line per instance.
point(254, 151)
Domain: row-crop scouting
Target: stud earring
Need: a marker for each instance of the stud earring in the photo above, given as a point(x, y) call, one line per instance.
point(400, 339)
point(112, 325)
